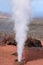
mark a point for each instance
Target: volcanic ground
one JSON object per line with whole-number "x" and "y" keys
{"x": 32, "y": 56}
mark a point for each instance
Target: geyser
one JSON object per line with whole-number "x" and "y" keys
{"x": 19, "y": 63}
{"x": 21, "y": 14}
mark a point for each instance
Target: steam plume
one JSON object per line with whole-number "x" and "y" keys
{"x": 21, "y": 15}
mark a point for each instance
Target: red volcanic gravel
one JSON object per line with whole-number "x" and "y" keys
{"x": 31, "y": 56}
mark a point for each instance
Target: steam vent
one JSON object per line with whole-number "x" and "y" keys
{"x": 18, "y": 63}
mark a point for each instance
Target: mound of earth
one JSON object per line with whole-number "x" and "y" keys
{"x": 9, "y": 39}
{"x": 30, "y": 42}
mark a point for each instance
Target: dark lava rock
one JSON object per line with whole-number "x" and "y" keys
{"x": 15, "y": 54}
{"x": 33, "y": 43}
{"x": 2, "y": 39}
{"x": 9, "y": 39}
{"x": 12, "y": 42}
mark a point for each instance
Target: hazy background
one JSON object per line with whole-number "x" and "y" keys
{"x": 37, "y": 7}
{"x": 36, "y": 27}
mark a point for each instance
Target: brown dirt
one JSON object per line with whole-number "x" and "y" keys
{"x": 33, "y": 56}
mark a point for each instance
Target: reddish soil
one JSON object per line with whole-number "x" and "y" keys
{"x": 33, "y": 56}
{"x": 42, "y": 43}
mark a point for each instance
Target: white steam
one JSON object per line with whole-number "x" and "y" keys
{"x": 21, "y": 15}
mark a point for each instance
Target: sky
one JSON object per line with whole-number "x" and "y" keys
{"x": 37, "y": 7}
